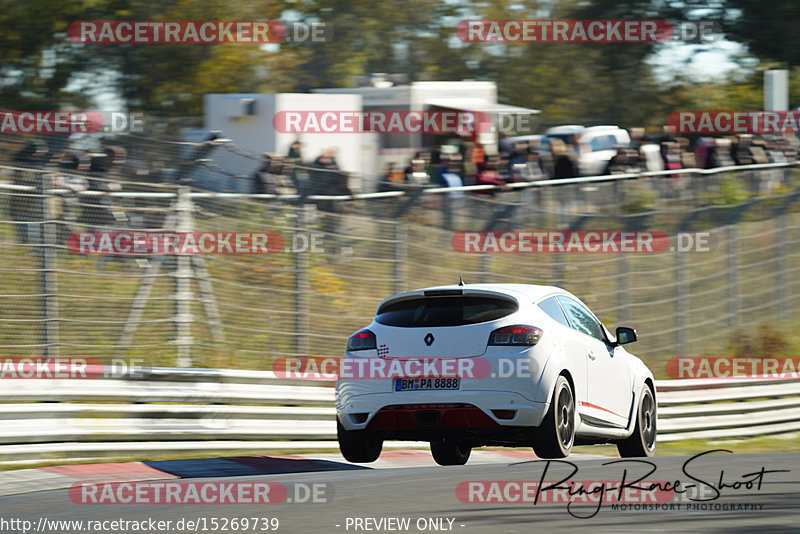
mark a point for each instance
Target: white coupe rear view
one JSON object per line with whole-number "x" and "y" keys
{"x": 476, "y": 365}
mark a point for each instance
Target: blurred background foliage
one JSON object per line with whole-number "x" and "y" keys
{"x": 40, "y": 68}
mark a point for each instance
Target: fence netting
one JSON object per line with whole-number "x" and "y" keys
{"x": 343, "y": 252}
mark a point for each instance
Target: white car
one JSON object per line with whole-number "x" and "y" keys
{"x": 475, "y": 365}
{"x": 597, "y": 145}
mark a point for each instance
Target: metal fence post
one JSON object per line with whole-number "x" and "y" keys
{"x": 680, "y": 302}
{"x": 622, "y": 288}
{"x": 733, "y": 277}
{"x": 183, "y": 285}
{"x": 486, "y": 268}
{"x": 46, "y": 238}
{"x": 301, "y": 286}
{"x": 400, "y": 256}
{"x": 781, "y": 285}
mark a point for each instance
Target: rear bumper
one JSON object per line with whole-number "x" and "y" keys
{"x": 433, "y": 411}
{"x": 429, "y": 416}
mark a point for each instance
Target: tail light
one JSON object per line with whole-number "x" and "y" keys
{"x": 362, "y": 340}
{"x": 519, "y": 334}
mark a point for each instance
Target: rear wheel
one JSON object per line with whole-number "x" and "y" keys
{"x": 447, "y": 451}
{"x": 358, "y": 446}
{"x": 642, "y": 442}
{"x": 557, "y": 432}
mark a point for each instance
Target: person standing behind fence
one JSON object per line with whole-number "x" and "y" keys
{"x": 296, "y": 152}
{"x": 270, "y": 178}
{"x": 565, "y": 164}
{"x": 101, "y": 213}
{"x": 415, "y": 173}
{"x": 27, "y": 207}
{"x": 489, "y": 175}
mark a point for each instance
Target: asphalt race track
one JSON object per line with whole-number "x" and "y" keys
{"x": 419, "y": 494}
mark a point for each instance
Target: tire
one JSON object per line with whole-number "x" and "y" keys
{"x": 556, "y": 434}
{"x": 642, "y": 443}
{"x": 358, "y": 446}
{"x": 450, "y": 452}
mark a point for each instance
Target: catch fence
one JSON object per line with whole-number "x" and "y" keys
{"x": 346, "y": 249}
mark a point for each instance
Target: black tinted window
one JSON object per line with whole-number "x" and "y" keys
{"x": 581, "y": 319}
{"x": 551, "y": 308}
{"x": 444, "y": 311}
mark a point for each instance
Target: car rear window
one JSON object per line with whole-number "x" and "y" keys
{"x": 444, "y": 311}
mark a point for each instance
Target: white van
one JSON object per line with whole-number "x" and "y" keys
{"x": 596, "y": 144}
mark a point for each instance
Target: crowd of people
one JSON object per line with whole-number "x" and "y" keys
{"x": 37, "y": 168}
{"x": 559, "y": 157}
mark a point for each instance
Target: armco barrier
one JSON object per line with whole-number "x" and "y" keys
{"x": 170, "y": 410}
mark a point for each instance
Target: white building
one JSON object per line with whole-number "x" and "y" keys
{"x": 247, "y": 120}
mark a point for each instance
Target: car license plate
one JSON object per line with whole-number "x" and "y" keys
{"x": 425, "y": 384}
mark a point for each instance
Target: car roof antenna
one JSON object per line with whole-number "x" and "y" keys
{"x": 460, "y": 281}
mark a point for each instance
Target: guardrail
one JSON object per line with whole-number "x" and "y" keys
{"x": 168, "y": 410}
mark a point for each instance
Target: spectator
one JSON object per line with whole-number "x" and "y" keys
{"x": 533, "y": 165}
{"x": 503, "y": 166}
{"x": 718, "y": 154}
{"x": 504, "y": 144}
{"x": 271, "y": 178}
{"x": 625, "y": 161}
{"x": 28, "y": 207}
{"x": 392, "y": 177}
{"x": 489, "y": 175}
{"x": 672, "y": 161}
{"x": 687, "y": 156}
{"x": 415, "y": 173}
{"x": 478, "y": 158}
{"x": 702, "y": 149}
{"x": 740, "y": 150}
{"x": 573, "y": 146}
{"x": 565, "y": 164}
{"x": 775, "y": 151}
{"x": 296, "y": 151}
{"x": 451, "y": 176}
{"x": 519, "y": 155}
{"x": 722, "y": 153}
{"x": 758, "y": 151}
{"x": 102, "y": 213}
{"x": 469, "y": 168}
{"x": 670, "y": 151}
{"x": 327, "y": 160}
{"x": 546, "y": 161}
{"x": 637, "y": 138}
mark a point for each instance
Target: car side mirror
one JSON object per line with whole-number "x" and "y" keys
{"x": 625, "y": 335}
